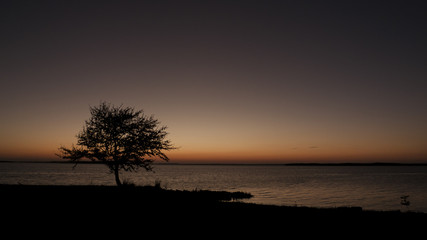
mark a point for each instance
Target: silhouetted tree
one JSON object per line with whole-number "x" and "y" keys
{"x": 121, "y": 138}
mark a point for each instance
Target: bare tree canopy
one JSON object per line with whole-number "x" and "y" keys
{"x": 121, "y": 138}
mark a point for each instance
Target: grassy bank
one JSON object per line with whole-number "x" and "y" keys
{"x": 111, "y": 202}
{"x": 103, "y": 194}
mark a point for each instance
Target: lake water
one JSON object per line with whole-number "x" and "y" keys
{"x": 370, "y": 187}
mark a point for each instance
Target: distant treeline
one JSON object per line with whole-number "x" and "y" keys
{"x": 357, "y": 164}
{"x": 246, "y": 164}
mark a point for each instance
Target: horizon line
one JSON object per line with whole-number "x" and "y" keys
{"x": 375, "y": 163}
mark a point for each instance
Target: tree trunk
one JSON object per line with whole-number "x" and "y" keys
{"x": 116, "y": 175}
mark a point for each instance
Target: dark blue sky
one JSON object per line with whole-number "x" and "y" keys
{"x": 233, "y": 80}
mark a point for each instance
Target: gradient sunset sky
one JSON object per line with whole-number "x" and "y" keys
{"x": 234, "y": 81}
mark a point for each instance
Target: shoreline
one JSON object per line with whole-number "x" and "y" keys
{"x": 96, "y": 198}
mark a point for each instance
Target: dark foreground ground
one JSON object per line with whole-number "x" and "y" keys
{"x": 141, "y": 208}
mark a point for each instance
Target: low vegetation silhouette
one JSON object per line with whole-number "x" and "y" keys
{"x": 121, "y": 138}
{"x": 404, "y": 201}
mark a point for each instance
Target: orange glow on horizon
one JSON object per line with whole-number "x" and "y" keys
{"x": 237, "y": 151}
{"x": 277, "y": 159}
{"x": 233, "y": 157}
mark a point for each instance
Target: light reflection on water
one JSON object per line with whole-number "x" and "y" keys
{"x": 371, "y": 187}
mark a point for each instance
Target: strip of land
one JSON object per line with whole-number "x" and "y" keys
{"x": 246, "y": 164}
{"x": 112, "y": 202}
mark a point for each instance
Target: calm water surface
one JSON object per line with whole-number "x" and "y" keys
{"x": 370, "y": 187}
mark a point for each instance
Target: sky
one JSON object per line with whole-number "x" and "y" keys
{"x": 234, "y": 81}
